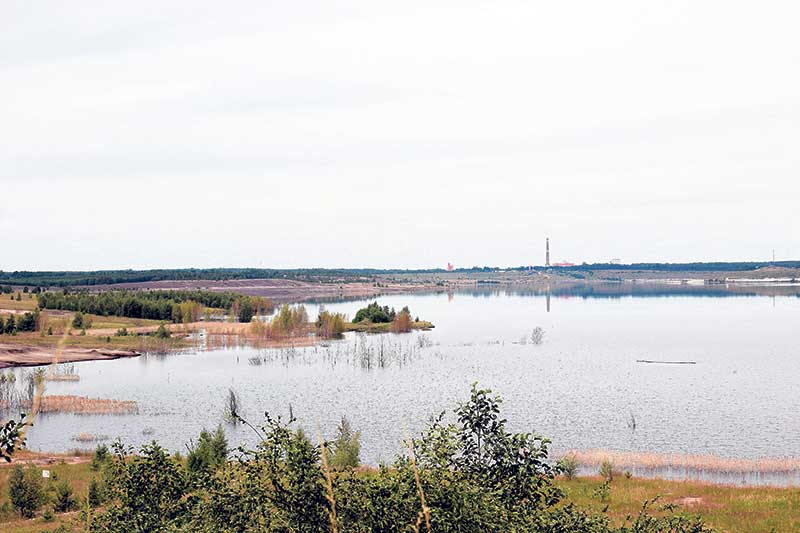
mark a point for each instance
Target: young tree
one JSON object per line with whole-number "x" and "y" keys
{"x": 25, "y": 490}
{"x": 402, "y": 322}
{"x": 346, "y": 447}
{"x": 11, "y": 325}
{"x": 246, "y": 310}
{"x": 210, "y": 451}
{"x": 162, "y": 332}
{"x": 96, "y": 496}
{"x": 77, "y": 321}
{"x": 146, "y": 492}
{"x": 64, "y": 499}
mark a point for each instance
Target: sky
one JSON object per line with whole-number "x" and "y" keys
{"x": 396, "y": 134}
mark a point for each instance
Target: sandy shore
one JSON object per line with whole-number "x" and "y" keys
{"x": 22, "y": 355}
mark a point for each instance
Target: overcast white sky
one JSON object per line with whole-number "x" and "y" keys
{"x": 402, "y": 134}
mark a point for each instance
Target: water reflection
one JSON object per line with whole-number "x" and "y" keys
{"x": 580, "y": 386}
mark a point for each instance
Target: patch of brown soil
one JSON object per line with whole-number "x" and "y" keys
{"x": 23, "y": 355}
{"x": 46, "y": 458}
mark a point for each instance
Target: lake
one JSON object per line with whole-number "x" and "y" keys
{"x": 582, "y": 386}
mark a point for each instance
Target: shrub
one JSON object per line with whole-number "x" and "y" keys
{"x": 77, "y": 321}
{"x": 95, "y": 494}
{"x": 402, "y": 322}
{"x": 146, "y": 491}
{"x": 606, "y": 470}
{"x": 346, "y": 447}
{"x": 330, "y": 325}
{"x": 374, "y": 313}
{"x": 210, "y": 451}
{"x": 568, "y": 465}
{"x": 473, "y": 474}
{"x": 25, "y": 490}
{"x": 122, "y": 332}
{"x": 64, "y": 499}
{"x": 101, "y": 457}
{"x": 162, "y": 332}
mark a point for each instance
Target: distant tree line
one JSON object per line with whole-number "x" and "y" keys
{"x": 174, "y": 306}
{"x": 109, "y": 277}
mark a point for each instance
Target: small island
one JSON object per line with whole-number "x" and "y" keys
{"x": 377, "y": 319}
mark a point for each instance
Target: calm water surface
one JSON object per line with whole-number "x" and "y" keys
{"x": 580, "y": 387}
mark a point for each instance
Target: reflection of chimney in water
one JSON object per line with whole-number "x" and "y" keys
{"x": 548, "y": 299}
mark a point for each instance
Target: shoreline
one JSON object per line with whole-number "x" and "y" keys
{"x": 25, "y": 355}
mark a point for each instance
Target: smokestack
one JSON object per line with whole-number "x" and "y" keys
{"x": 547, "y": 252}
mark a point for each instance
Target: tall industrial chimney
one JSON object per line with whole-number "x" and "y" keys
{"x": 547, "y": 252}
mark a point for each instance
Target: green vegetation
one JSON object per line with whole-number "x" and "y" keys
{"x": 28, "y": 321}
{"x": 108, "y": 277}
{"x": 210, "y": 452}
{"x": 25, "y": 490}
{"x": 174, "y": 306}
{"x": 331, "y": 325}
{"x": 346, "y": 447}
{"x": 64, "y": 498}
{"x": 396, "y": 322}
{"x": 11, "y": 434}
{"x": 374, "y": 313}
{"x": 470, "y": 475}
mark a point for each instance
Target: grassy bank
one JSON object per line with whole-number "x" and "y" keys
{"x": 727, "y": 508}
{"x": 369, "y": 327}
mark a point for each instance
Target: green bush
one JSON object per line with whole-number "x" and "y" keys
{"x": 100, "y": 457}
{"x": 346, "y": 447}
{"x": 25, "y": 490}
{"x": 374, "y": 313}
{"x": 474, "y": 476}
{"x": 607, "y": 470}
{"x": 568, "y": 465}
{"x": 162, "y": 332}
{"x": 95, "y": 494}
{"x": 210, "y": 451}
{"x": 77, "y": 321}
{"x": 64, "y": 499}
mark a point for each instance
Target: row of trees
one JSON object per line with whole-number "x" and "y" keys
{"x": 26, "y": 322}
{"x": 174, "y": 306}
{"x": 288, "y": 322}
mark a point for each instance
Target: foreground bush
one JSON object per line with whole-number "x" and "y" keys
{"x": 25, "y": 490}
{"x": 470, "y": 475}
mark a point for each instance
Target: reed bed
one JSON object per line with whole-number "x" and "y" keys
{"x": 89, "y": 437}
{"x": 763, "y": 470}
{"x": 62, "y": 372}
{"x": 86, "y": 406}
{"x": 365, "y": 351}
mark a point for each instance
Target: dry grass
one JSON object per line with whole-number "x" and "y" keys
{"x": 85, "y": 406}
{"x": 8, "y": 302}
{"x": 691, "y": 463}
{"x": 726, "y": 508}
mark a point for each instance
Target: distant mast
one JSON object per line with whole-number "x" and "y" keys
{"x": 547, "y": 252}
